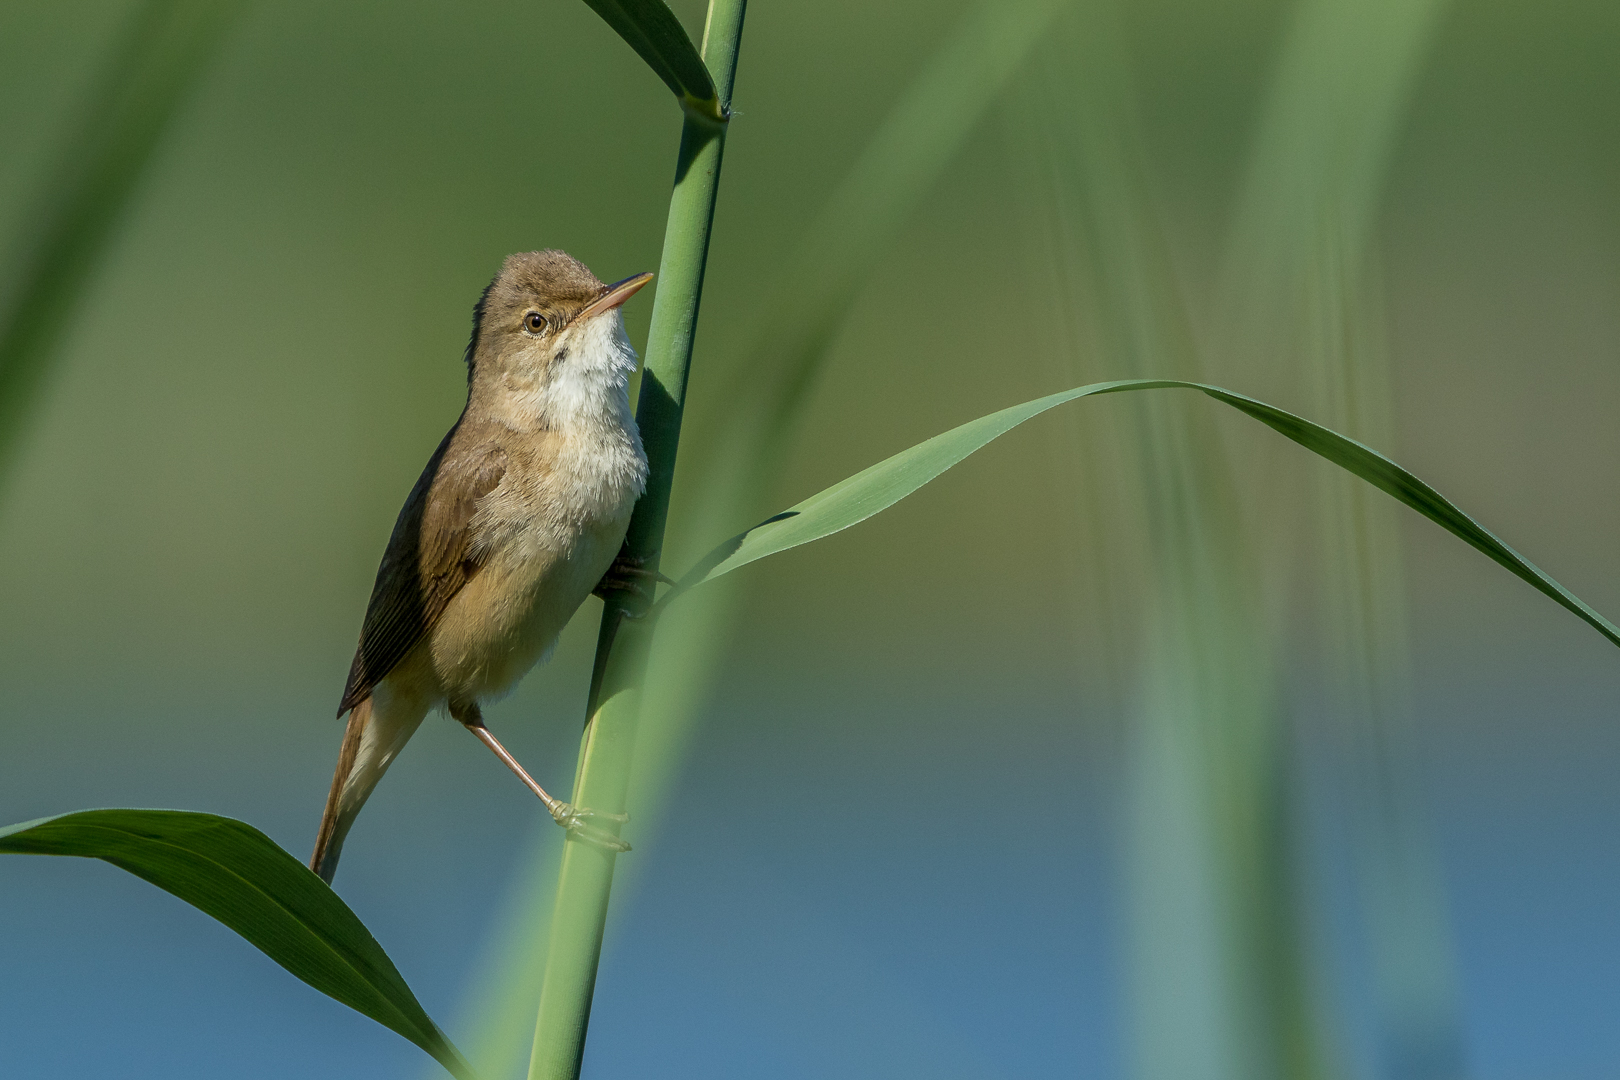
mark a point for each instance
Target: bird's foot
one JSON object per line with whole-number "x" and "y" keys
{"x": 575, "y": 819}
{"x": 629, "y": 574}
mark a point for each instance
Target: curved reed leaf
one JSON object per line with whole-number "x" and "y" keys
{"x": 879, "y": 487}
{"x": 235, "y": 873}
{"x": 650, "y": 28}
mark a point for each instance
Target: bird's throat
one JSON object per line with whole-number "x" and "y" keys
{"x": 581, "y": 389}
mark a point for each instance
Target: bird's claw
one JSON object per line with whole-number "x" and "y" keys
{"x": 629, "y": 574}
{"x": 575, "y": 820}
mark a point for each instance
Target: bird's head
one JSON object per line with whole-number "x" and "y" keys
{"x": 548, "y": 339}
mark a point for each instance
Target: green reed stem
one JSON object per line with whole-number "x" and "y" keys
{"x": 602, "y": 779}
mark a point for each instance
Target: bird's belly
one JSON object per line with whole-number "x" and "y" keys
{"x": 508, "y": 616}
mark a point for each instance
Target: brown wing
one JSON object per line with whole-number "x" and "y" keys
{"x": 427, "y": 562}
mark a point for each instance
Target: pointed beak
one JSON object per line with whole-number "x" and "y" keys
{"x": 616, "y": 294}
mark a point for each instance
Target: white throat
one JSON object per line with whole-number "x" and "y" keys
{"x": 595, "y": 467}
{"x": 590, "y": 385}
{"x": 581, "y": 386}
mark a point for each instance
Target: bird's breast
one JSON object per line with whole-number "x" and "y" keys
{"x": 543, "y": 539}
{"x": 547, "y": 505}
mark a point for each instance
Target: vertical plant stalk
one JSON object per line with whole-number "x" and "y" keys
{"x": 601, "y": 780}
{"x": 920, "y": 137}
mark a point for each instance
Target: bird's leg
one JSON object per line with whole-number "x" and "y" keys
{"x": 570, "y": 817}
{"x": 629, "y": 574}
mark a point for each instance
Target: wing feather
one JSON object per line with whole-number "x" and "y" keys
{"x": 429, "y": 558}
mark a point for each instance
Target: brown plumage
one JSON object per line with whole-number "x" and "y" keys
{"x": 427, "y": 562}
{"x": 511, "y": 525}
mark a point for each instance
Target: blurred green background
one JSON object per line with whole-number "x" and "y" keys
{"x": 918, "y": 828}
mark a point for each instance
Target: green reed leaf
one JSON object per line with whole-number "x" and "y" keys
{"x": 879, "y": 487}
{"x": 238, "y": 875}
{"x": 650, "y": 28}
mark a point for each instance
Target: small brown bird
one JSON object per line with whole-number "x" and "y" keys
{"x": 517, "y": 519}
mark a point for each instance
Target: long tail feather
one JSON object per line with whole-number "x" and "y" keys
{"x": 329, "y": 838}
{"x": 375, "y": 734}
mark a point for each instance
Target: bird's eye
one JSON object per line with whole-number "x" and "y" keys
{"x": 534, "y": 322}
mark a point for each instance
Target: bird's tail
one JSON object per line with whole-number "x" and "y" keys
{"x": 375, "y": 734}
